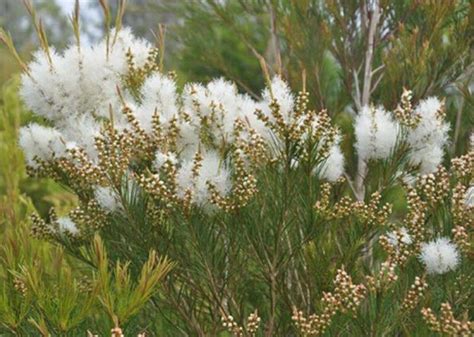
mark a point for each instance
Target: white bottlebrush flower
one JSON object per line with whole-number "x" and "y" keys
{"x": 189, "y": 139}
{"x": 66, "y": 225}
{"x": 220, "y": 105}
{"x": 248, "y": 108}
{"x": 439, "y": 256}
{"x": 82, "y": 131}
{"x": 429, "y": 138}
{"x": 158, "y": 94}
{"x": 225, "y": 105}
{"x": 332, "y": 167}
{"x": 429, "y": 158}
{"x": 102, "y": 74}
{"x": 39, "y": 88}
{"x": 42, "y": 142}
{"x": 393, "y": 237}
{"x": 212, "y": 170}
{"x": 161, "y": 158}
{"x": 107, "y": 198}
{"x": 81, "y": 82}
{"x": 376, "y": 133}
{"x": 281, "y": 92}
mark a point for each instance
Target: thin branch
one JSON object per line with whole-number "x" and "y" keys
{"x": 275, "y": 41}
{"x": 457, "y": 128}
{"x": 357, "y": 98}
{"x": 380, "y": 67}
{"x": 376, "y": 83}
{"x": 369, "y": 54}
{"x": 350, "y": 183}
{"x": 366, "y": 92}
{"x": 221, "y": 13}
{"x": 364, "y": 14}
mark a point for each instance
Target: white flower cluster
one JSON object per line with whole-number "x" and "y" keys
{"x": 66, "y": 225}
{"x": 333, "y": 167}
{"x": 377, "y": 134}
{"x": 107, "y": 198}
{"x": 212, "y": 170}
{"x": 80, "y": 82}
{"x": 439, "y": 256}
{"x": 83, "y": 86}
{"x": 394, "y": 237}
{"x": 428, "y": 140}
{"x": 42, "y": 142}
{"x": 77, "y": 89}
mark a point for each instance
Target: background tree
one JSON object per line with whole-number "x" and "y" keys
{"x": 15, "y": 19}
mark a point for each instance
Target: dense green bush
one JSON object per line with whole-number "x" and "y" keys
{"x": 341, "y": 208}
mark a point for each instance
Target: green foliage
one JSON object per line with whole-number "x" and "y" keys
{"x": 8, "y": 65}
{"x": 211, "y": 50}
{"x": 16, "y": 189}
{"x": 43, "y": 291}
{"x": 279, "y": 251}
{"x": 120, "y": 296}
{"x": 59, "y": 303}
{"x": 12, "y": 204}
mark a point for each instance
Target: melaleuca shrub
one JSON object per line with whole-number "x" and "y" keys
{"x": 251, "y": 198}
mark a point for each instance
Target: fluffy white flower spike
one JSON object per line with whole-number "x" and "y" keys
{"x": 161, "y": 158}
{"x": 219, "y": 104}
{"x": 405, "y": 237}
{"x": 439, "y": 256}
{"x": 66, "y": 225}
{"x": 107, "y": 199}
{"x": 159, "y": 94}
{"x": 376, "y": 133}
{"x": 42, "y": 142}
{"x": 281, "y": 92}
{"x": 212, "y": 170}
{"x": 81, "y": 82}
{"x": 333, "y": 167}
{"x": 429, "y": 138}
